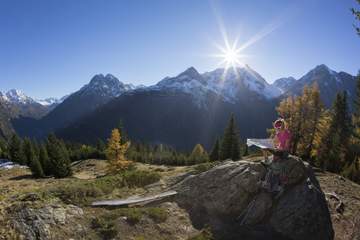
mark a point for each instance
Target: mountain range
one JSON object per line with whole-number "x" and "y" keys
{"x": 180, "y": 111}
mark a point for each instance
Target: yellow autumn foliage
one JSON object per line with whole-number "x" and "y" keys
{"x": 115, "y": 152}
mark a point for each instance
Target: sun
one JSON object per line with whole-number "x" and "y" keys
{"x": 230, "y": 55}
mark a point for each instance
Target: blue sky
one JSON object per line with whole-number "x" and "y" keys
{"x": 52, "y": 48}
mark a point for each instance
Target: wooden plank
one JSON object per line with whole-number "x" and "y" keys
{"x": 133, "y": 200}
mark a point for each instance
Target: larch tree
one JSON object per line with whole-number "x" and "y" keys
{"x": 198, "y": 155}
{"x": 115, "y": 152}
{"x": 303, "y": 114}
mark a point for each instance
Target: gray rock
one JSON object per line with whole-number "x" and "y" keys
{"x": 37, "y": 223}
{"x": 219, "y": 196}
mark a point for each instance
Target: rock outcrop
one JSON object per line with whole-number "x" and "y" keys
{"x": 218, "y": 197}
{"x": 33, "y": 223}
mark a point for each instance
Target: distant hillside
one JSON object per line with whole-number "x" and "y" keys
{"x": 329, "y": 82}
{"x": 99, "y": 91}
{"x": 173, "y": 118}
{"x": 183, "y": 110}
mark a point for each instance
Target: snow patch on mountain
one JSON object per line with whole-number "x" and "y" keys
{"x": 18, "y": 97}
{"x": 284, "y": 83}
{"x": 107, "y": 86}
{"x": 229, "y": 84}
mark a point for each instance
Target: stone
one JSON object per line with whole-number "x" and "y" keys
{"x": 220, "y": 197}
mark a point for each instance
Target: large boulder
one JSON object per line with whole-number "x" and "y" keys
{"x": 230, "y": 200}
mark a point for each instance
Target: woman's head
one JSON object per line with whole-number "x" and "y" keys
{"x": 279, "y": 124}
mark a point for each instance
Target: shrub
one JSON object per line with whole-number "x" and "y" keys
{"x": 140, "y": 178}
{"x": 106, "y": 229}
{"x": 133, "y": 215}
{"x": 159, "y": 215}
{"x": 83, "y": 191}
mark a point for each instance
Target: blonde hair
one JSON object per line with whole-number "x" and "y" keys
{"x": 283, "y": 123}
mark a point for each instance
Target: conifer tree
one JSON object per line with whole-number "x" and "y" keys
{"x": 4, "y": 153}
{"x": 246, "y": 150}
{"x": 28, "y": 150}
{"x": 33, "y": 159}
{"x": 16, "y": 152}
{"x": 115, "y": 152}
{"x": 214, "y": 155}
{"x": 334, "y": 148}
{"x": 229, "y": 147}
{"x": 44, "y": 160}
{"x": 59, "y": 159}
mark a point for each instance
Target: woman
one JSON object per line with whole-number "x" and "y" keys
{"x": 276, "y": 178}
{"x": 282, "y": 136}
{"x": 281, "y": 141}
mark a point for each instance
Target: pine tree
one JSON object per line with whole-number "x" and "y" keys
{"x": 214, "y": 155}
{"x": 235, "y": 152}
{"x": 229, "y": 147}
{"x": 334, "y": 148}
{"x": 28, "y": 149}
{"x": 4, "y": 151}
{"x": 115, "y": 152}
{"x": 44, "y": 160}
{"x": 354, "y": 142}
{"x": 246, "y": 150}
{"x": 59, "y": 160}
{"x": 33, "y": 159}
{"x": 16, "y": 152}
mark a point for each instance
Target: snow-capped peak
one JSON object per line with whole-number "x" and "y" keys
{"x": 230, "y": 83}
{"x": 107, "y": 85}
{"x": 17, "y": 96}
{"x": 48, "y": 101}
{"x": 284, "y": 83}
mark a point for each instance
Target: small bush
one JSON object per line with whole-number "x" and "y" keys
{"x": 83, "y": 191}
{"x": 140, "y": 178}
{"x": 77, "y": 193}
{"x": 106, "y": 229}
{"x": 159, "y": 215}
{"x": 133, "y": 215}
